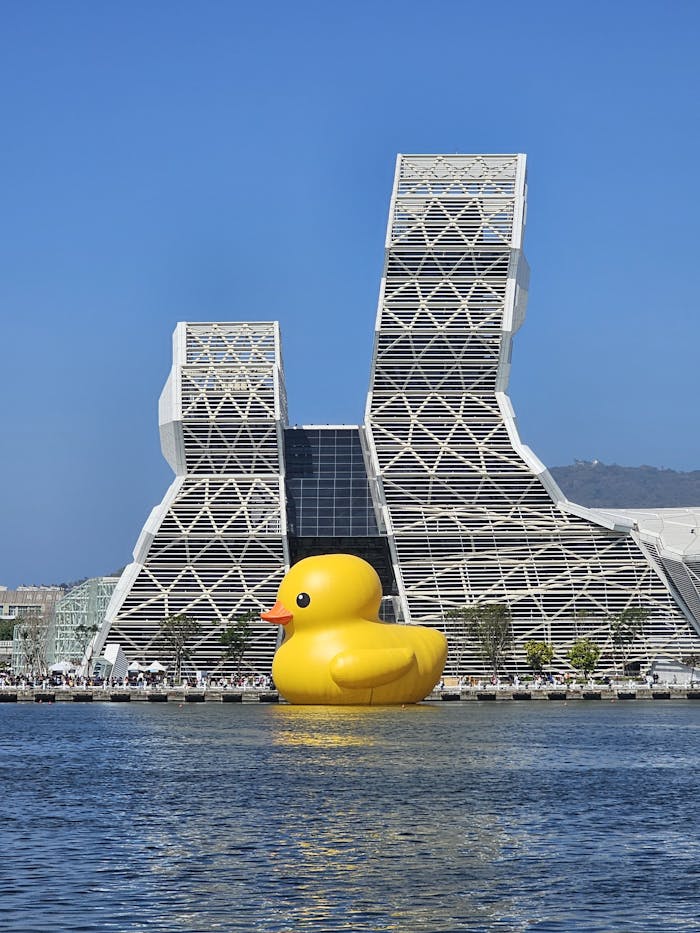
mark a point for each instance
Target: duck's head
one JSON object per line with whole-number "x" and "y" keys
{"x": 324, "y": 589}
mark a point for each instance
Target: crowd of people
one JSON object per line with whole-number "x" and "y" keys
{"x": 545, "y": 681}
{"x": 140, "y": 681}
{"x": 148, "y": 681}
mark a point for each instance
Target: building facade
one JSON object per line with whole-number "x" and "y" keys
{"x": 77, "y": 618}
{"x": 27, "y": 613}
{"x": 472, "y": 515}
{"x": 436, "y": 489}
{"x": 216, "y": 547}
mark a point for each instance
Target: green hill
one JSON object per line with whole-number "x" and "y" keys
{"x": 604, "y": 485}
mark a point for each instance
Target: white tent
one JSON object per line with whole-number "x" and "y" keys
{"x": 62, "y": 667}
{"x": 135, "y": 666}
{"x": 156, "y": 668}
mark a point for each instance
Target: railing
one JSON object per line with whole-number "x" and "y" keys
{"x": 502, "y": 692}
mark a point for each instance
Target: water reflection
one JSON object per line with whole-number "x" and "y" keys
{"x": 331, "y": 726}
{"x": 277, "y": 819}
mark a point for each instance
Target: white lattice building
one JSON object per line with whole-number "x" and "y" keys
{"x": 464, "y": 511}
{"x": 215, "y": 546}
{"x": 472, "y": 515}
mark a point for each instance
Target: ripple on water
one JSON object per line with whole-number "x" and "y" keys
{"x": 434, "y": 818}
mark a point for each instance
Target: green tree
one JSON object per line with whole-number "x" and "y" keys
{"x": 583, "y": 655}
{"x": 490, "y": 626}
{"x": 237, "y": 637}
{"x": 625, "y": 629}
{"x": 176, "y": 636}
{"x": 7, "y": 627}
{"x": 538, "y": 654}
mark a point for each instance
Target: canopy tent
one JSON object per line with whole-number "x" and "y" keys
{"x": 156, "y": 668}
{"x": 63, "y": 667}
{"x": 135, "y": 666}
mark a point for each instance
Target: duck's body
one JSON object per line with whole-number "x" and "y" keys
{"x": 336, "y": 651}
{"x": 360, "y": 663}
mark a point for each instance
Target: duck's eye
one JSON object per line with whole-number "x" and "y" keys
{"x": 303, "y": 600}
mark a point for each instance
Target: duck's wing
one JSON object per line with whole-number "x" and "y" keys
{"x": 370, "y": 667}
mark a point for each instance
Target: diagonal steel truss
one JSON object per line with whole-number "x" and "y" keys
{"x": 77, "y": 614}
{"x": 216, "y": 546}
{"x": 472, "y": 515}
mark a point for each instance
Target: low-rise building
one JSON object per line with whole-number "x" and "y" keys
{"x": 31, "y": 609}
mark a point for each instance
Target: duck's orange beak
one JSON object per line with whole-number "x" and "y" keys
{"x": 278, "y": 615}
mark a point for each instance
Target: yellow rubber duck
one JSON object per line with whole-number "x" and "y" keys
{"x": 335, "y": 649}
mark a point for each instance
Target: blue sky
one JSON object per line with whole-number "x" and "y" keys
{"x": 169, "y": 161}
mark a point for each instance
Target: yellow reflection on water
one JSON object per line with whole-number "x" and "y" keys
{"x": 332, "y": 726}
{"x": 322, "y": 741}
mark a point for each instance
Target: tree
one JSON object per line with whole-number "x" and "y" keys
{"x": 691, "y": 661}
{"x": 237, "y": 637}
{"x": 456, "y": 623}
{"x": 583, "y": 655}
{"x": 32, "y": 631}
{"x": 83, "y": 638}
{"x": 82, "y": 630}
{"x": 538, "y": 654}
{"x": 176, "y": 635}
{"x": 625, "y": 628}
{"x": 490, "y": 626}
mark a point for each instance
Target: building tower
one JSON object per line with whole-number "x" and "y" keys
{"x": 215, "y": 548}
{"x": 435, "y": 489}
{"x": 472, "y": 515}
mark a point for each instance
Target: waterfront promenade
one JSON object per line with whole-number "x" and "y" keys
{"x": 474, "y": 694}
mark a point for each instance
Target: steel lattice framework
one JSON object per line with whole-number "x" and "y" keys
{"x": 216, "y": 545}
{"x": 472, "y": 515}
{"x": 78, "y": 615}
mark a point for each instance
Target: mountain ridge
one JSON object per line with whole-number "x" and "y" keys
{"x": 608, "y": 485}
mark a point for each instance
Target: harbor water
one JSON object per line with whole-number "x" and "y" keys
{"x": 440, "y": 817}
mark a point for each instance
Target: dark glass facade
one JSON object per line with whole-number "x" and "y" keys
{"x": 328, "y": 491}
{"x": 329, "y": 500}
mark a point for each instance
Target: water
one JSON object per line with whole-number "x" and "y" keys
{"x": 444, "y": 817}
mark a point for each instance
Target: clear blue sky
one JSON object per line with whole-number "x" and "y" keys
{"x": 167, "y": 161}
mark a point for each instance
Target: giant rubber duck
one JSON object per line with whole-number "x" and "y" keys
{"x": 335, "y": 649}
